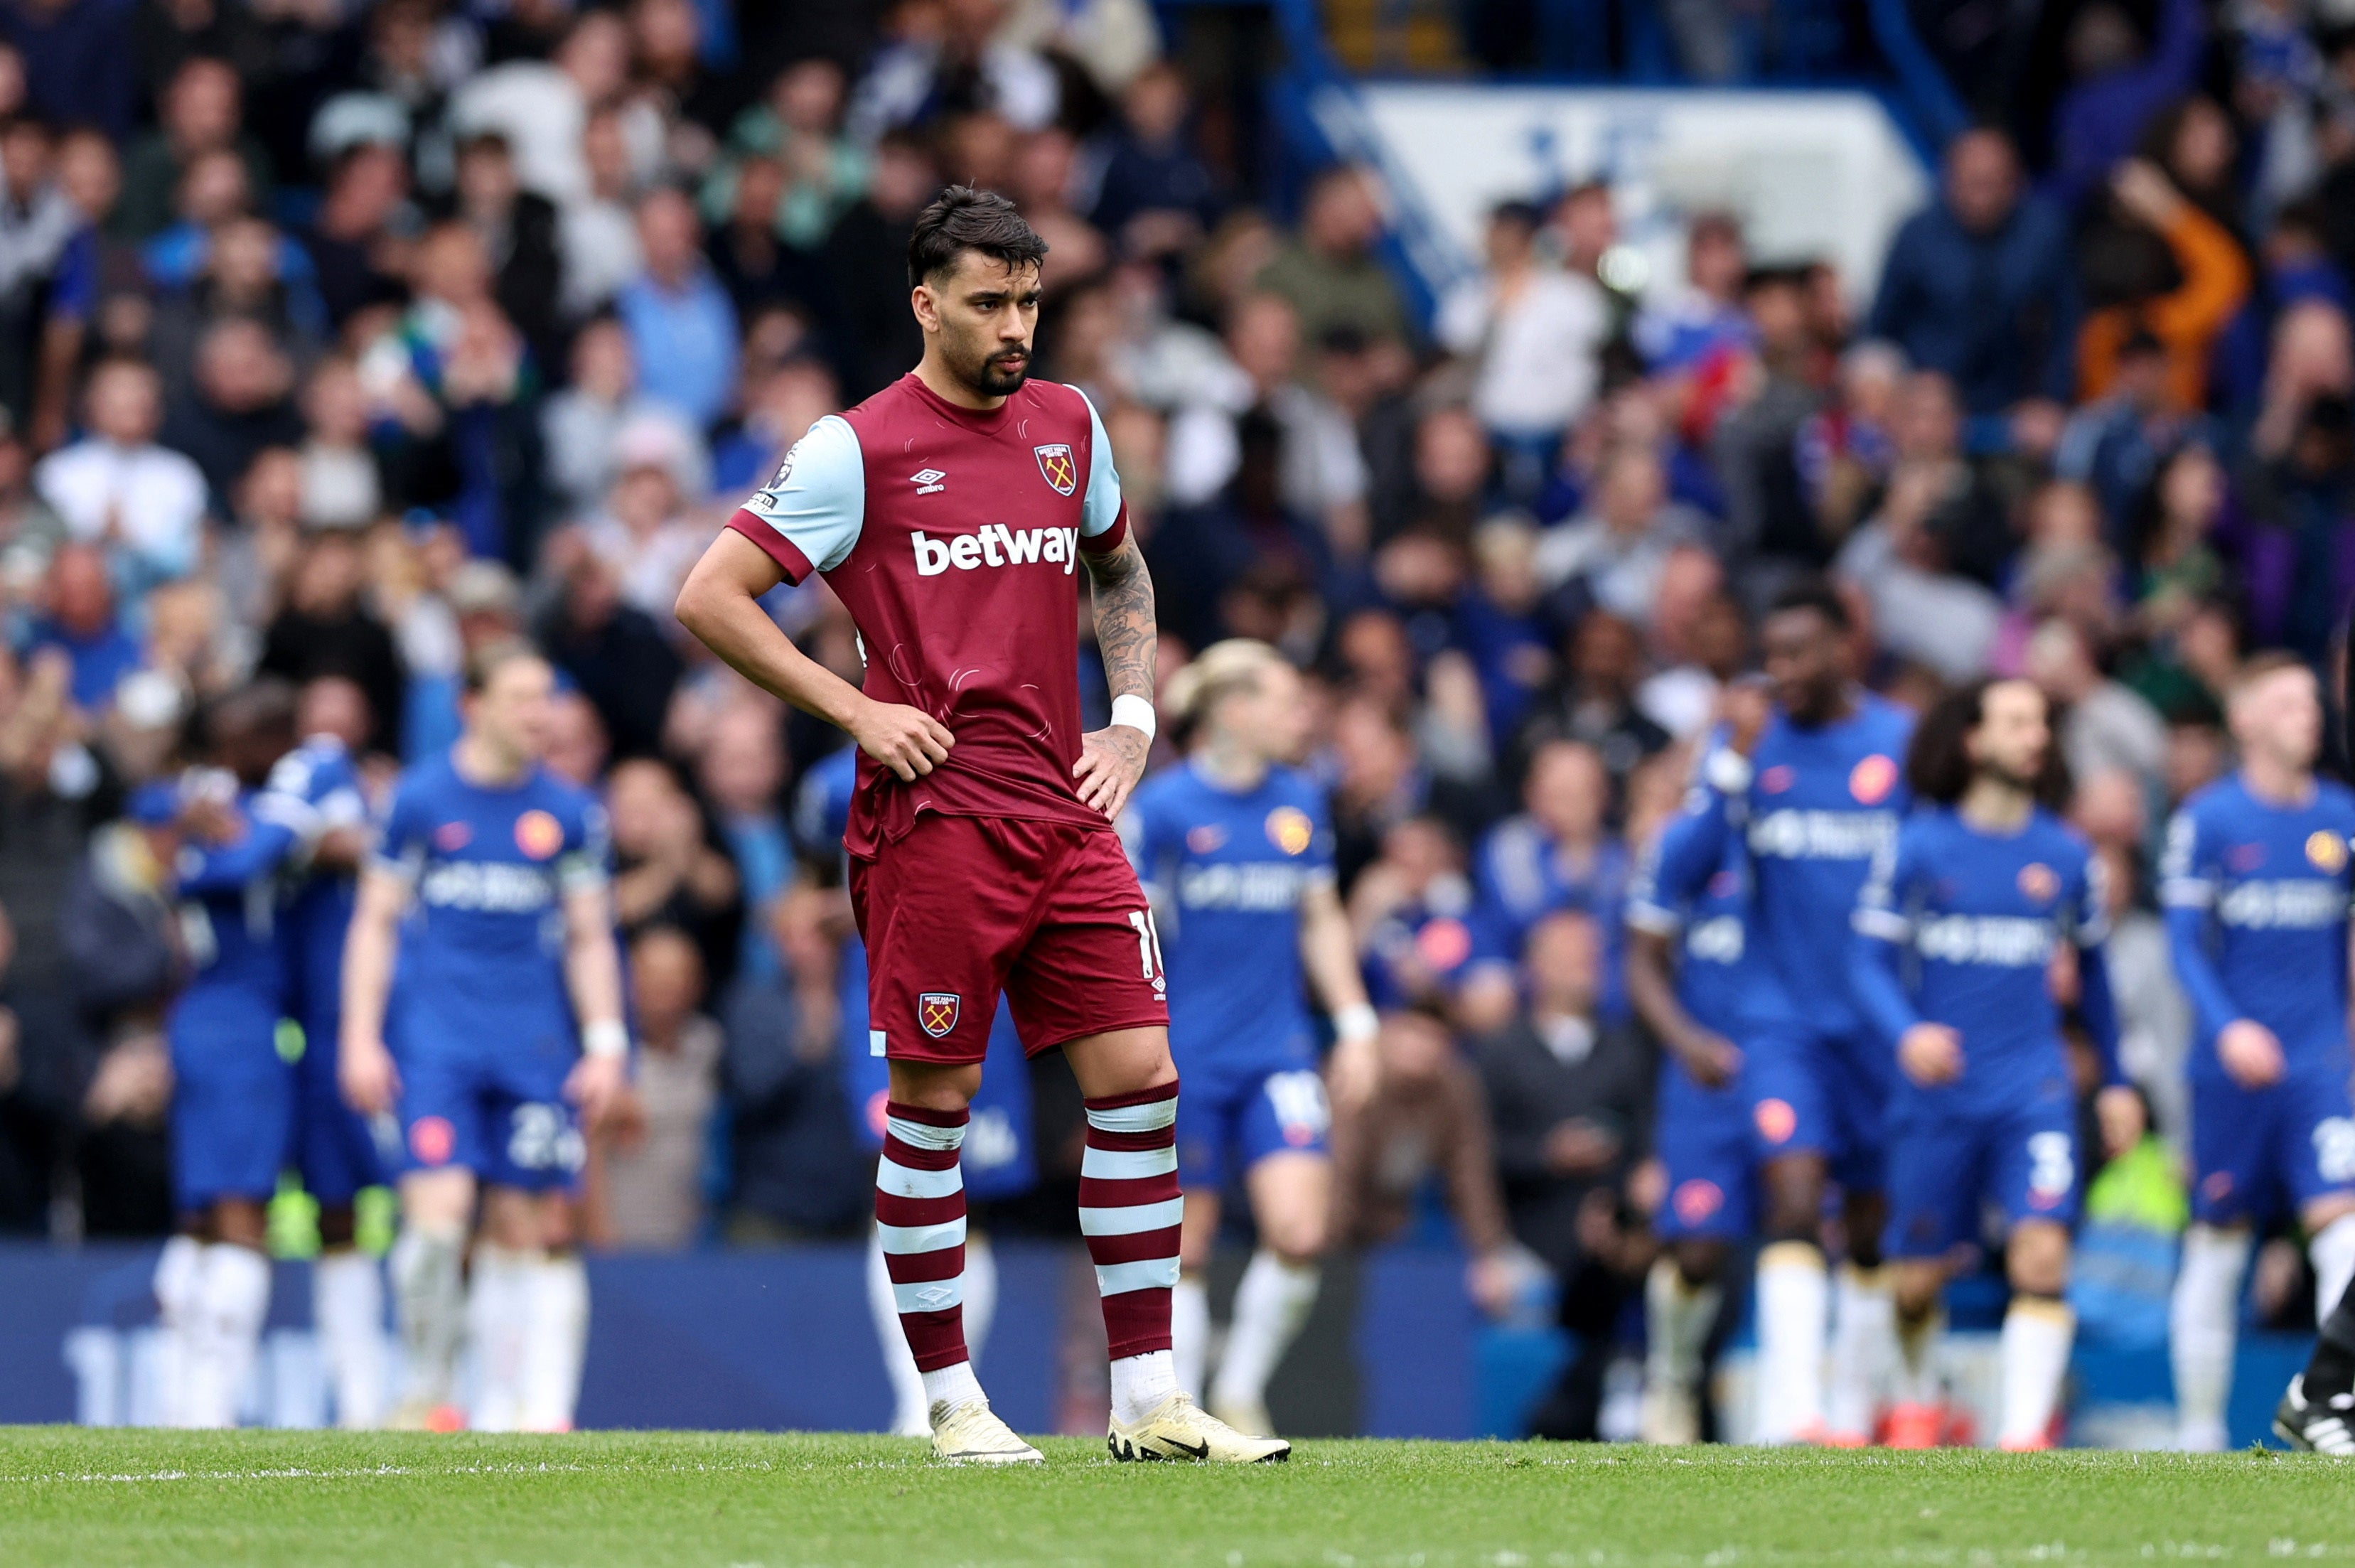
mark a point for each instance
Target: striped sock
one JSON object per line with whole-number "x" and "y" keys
{"x": 919, "y": 1220}
{"x": 1129, "y": 1210}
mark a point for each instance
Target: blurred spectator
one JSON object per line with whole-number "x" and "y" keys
{"x": 541, "y": 106}
{"x": 1153, "y": 194}
{"x": 1594, "y": 699}
{"x": 80, "y": 622}
{"x": 1613, "y": 555}
{"x": 679, "y": 320}
{"x": 2104, "y": 727}
{"x": 2186, "y": 314}
{"x": 798, "y": 128}
{"x": 2118, "y": 86}
{"x": 244, "y": 401}
{"x": 327, "y": 628}
{"x": 1569, "y": 1095}
{"x": 952, "y": 59}
{"x": 1697, "y": 324}
{"x": 1557, "y": 854}
{"x": 741, "y": 774}
{"x": 867, "y": 263}
{"x": 352, "y": 239}
{"x": 1534, "y": 332}
{"x": 651, "y": 1179}
{"x": 519, "y": 232}
{"x": 666, "y": 870}
{"x": 1980, "y": 286}
{"x": 615, "y": 652}
{"x": 584, "y": 422}
{"x": 201, "y": 111}
{"x": 116, "y": 487}
{"x": 1328, "y": 273}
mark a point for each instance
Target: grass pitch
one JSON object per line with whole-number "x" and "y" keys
{"x": 75, "y": 1496}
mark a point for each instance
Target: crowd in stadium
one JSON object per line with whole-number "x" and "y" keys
{"x": 339, "y": 342}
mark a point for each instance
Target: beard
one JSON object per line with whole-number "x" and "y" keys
{"x": 994, "y": 376}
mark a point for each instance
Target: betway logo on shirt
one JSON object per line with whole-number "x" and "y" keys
{"x": 496, "y": 887}
{"x": 997, "y": 545}
{"x": 1795, "y": 835}
{"x": 1256, "y": 885}
{"x": 2007, "y": 940}
{"x": 2300, "y": 903}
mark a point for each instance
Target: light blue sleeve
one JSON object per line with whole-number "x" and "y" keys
{"x": 1100, "y": 509}
{"x": 817, "y": 500}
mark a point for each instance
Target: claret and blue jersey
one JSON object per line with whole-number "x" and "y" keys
{"x": 2257, "y": 893}
{"x": 1227, "y": 872}
{"x": 1959, "y": 925}
{"x": 481, "y": 1020}
{"x": 1000, "y": 1159}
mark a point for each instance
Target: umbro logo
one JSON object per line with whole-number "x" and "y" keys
{"x": 927, "y": 480}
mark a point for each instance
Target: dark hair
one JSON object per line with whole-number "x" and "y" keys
{"x": 962, "y": 219}
{"x": 1938, "y": 764}
{"x": 1814, "y": 593}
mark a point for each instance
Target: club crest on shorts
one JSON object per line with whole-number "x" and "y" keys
{"x": 1056, "y": 465}
{"x": 937, "y": 1012}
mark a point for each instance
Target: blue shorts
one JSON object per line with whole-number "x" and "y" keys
{"x": 1231, "y": 1124}
{"x": 2259, "y": 1153}
{"x": 329, "y": 1143}
{"x": 231, "y": 1099}
{"x": 488, "y": 1100}
{"x": 1948, "y": 1159}
{"x": 1705, "y": 1144}
{"x": 1824, "y": 1095}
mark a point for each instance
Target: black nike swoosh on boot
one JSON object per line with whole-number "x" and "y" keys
{"x": 1199, "y": 1452}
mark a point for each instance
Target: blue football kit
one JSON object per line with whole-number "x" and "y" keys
{"x": 1817, "y": 805}
{"x": 481, "y": 1021}
{"x": 328, "y": 1143}
{"x": 1694, "y": 886}
{"x": 2256, "y": 896}
{"x": 1000, "y": 1157}
{"x": 232, "y": 1095}
{"x": 1958, "y": 926}
{"x": 1226, "y": 873}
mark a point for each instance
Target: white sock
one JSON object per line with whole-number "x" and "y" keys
{"x": 234, "y": 1299}
{"x": 951, "y": 1386}
{"x": 1190, "y": 1332}
{"x": 910, "y": 1401}
{"x": 1792, "y": 1291}
{"x": 498, "y": 1326}
{"x": 2332, "y": 1253}
{"x": 1270, "y": 1303}
{"x": 2036, "y": 1333}
{"x": 1678, "y": 1316}
{"x": 1864, "y": 1349}
{"x": 556, "y": 1342}
{"x": 1917, "y": 1376}
{"x": 179, "y": 1296}
{"x": 2202, "y": 1323}
{"x": 348, "y": 1315}
{"x": 1139, "y": 1384}
{"x": 429, "y": 1293}
{"x": 980, "y": 1292}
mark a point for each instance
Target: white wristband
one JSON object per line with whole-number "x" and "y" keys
{"x": 1727, "y": 771}
{"x": 609, "y": 1038}
{"x": 1352, "y": 1024}
{"x": 1136, "y": 712}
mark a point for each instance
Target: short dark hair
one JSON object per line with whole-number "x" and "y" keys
{"x": 962, "y": 219}
{"x": 1938, "y": 764}
{"x": 1815, "y": 595}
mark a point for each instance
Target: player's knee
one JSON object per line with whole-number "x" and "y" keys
{"x": 1794, "y": 1200}
{"x": 2327, "y": 1210}
{"x": 337, "y": 1227}
{"x": 1296, "y": 1238}
{"x": 933, "y": 1086}
{"x": 2037, "y": 1261}
{"x": 1700, "y": 1262}
{"x": 241, "y": 1221}
{"x": 1915, "y": 1290}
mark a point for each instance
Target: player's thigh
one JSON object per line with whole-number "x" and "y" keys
{"x": 943, "y": 909}
{"x": 2234, "y": 1134}
{"x": 1937, "y": 1179}
{"x": 1092, "y": 965}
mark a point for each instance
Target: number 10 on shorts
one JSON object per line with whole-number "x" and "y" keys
{"x": 1148, "y": 949}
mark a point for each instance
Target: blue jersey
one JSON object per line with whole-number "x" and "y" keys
{"x": 2256, "y": 898}
{"x": 1693, "y": 884}
{"x": 1522, "y": 877}
{"x": 1958, "y": 926}
{"x": 998, "y": 1160}
{"x": 229, "y": 915}
{"x": 318, "y": 908}
{"x": 1226, "y": 873}
{"x": 1821, "y": 802}
{"x": 483, "y": 948}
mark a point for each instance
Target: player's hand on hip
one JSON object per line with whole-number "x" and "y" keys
{"x": 365, "y": 1073}
{"x": 1930, "y": 1054}
{"x": 2119, "y": 1111}
{"x": 1110, "y": 762}
{"x": 598, "y": 1086}
{"x": 2250, "y": 1053}
{"x": 907, "y": 740}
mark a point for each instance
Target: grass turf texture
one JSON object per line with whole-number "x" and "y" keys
{"x": 75, "y": 1496}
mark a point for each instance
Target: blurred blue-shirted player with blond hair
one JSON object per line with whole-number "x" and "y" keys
{"x": 1234, "y": 849}
{"x": 501, "y": 1020}
{"x": 2256, "y": 883}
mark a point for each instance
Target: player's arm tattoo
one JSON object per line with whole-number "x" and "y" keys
{"x": 1125, "y": 626}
